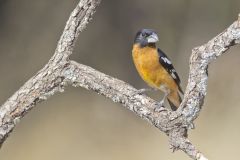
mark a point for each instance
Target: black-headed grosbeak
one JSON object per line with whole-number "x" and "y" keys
{"x": 155, "y": 68}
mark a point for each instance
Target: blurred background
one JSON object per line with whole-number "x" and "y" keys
{"x": 80, "y": 124}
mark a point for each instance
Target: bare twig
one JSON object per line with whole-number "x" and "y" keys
{"x": 60, "y": 72}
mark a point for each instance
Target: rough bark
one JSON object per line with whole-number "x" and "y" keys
{"x": 48, "y": 80}
{"x": 60, "y": 72}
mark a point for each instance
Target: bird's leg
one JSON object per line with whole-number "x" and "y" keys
{"x": 163, "y": 100}
{"x": 160, "y": 105}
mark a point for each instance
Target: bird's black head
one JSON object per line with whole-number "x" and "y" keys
{"x": 146, "y": 37}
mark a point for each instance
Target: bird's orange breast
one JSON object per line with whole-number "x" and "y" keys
{"x": 146, "y": 60}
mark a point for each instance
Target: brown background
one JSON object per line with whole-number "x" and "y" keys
{"x": 81, "y": 125}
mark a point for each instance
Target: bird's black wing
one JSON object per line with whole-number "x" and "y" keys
{"x": 167, "y": 64}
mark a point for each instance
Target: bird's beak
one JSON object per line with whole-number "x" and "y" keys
{"x": 152, "y": 38}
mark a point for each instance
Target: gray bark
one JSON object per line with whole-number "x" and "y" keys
{"x": 60, "y": 72}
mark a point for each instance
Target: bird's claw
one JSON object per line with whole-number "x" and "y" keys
{"x": 143, "y": 90}
{"x": 159, "y": 107}
{"x": 161, "y": 103}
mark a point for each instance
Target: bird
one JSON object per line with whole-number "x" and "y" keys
{"x": 155, "y": 68}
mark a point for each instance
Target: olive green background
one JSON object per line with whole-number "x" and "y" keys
{"x": 81, "y": 125}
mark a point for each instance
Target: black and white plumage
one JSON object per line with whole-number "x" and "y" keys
{"x": 167, "y": 64}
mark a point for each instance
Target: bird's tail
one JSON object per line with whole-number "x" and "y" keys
{"x": 174, "y": 100}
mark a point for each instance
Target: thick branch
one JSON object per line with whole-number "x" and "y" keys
{"x": 60, "y": 72}
{"x": 201, "y": 57}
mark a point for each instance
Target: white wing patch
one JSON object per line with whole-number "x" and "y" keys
{"x": 167, "y": 65}
{"x": 173, "y": 73}
{"x": 166, "y": 60}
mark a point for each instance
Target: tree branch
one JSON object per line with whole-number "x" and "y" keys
{"x": 60, "y": 72}
{"x": 201, "y": 57}
{"x": 48, "y": 80}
